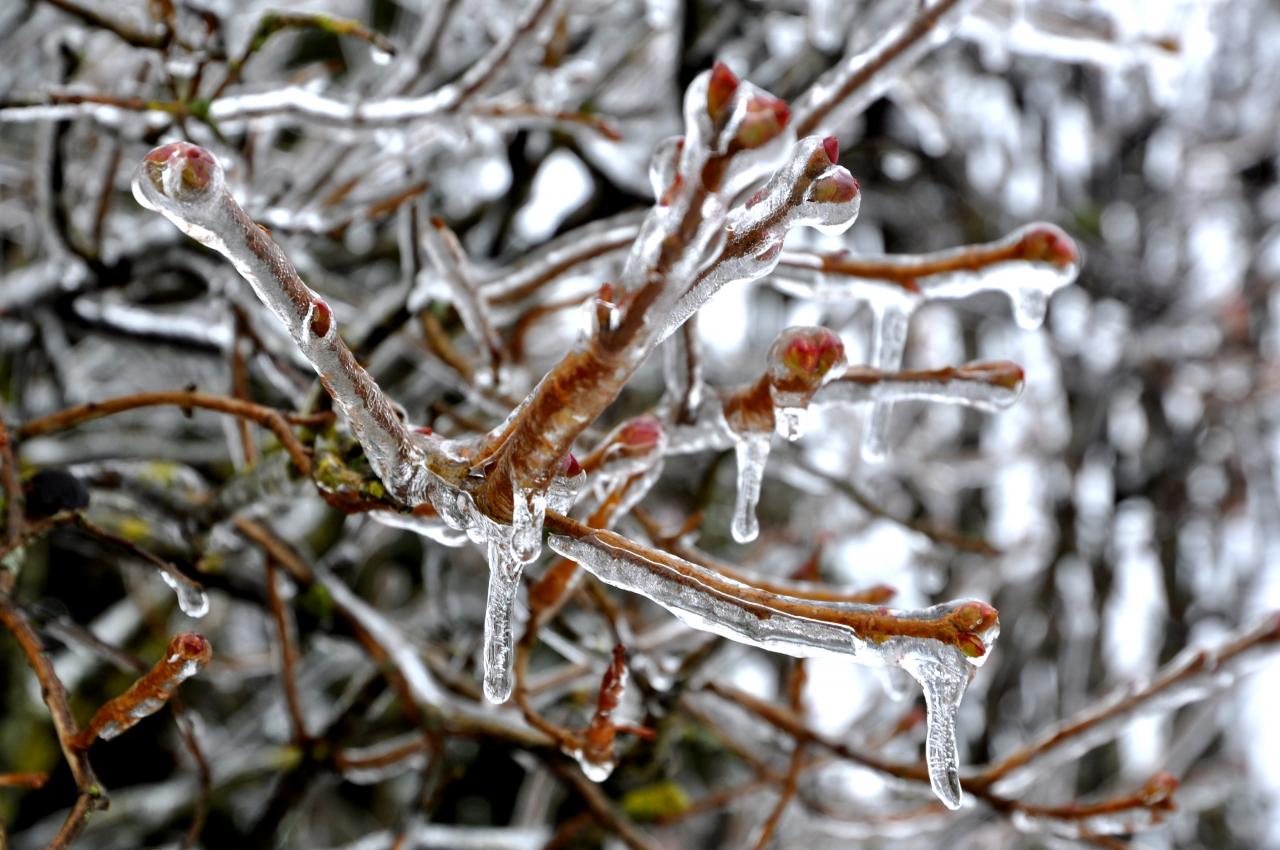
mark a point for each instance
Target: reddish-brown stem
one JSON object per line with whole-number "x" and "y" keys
{"x": 186, "y": 654}
{"x": 280, "y": 615}
{"x": 11, "y": 480}
{"x": 869, "y": 624}
{"x": 91, "y": 795}
{"x": 811, "y": 121}
{"x": 1204, "y": 662}
{"x": 278, "y": 423}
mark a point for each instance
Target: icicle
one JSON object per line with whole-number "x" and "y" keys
{"x": 504, "y": 581}
{"x": 596, "y": 771}
{"x": 192, "y": 599}
{"x": 888, "y": 343}
{"x": 943, "y": 683}
{"x": 752, "y": 451}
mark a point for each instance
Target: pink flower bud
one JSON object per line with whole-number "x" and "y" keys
{"x": 831, "y": 146}
{"x": 569, "y": 467}
{"x": 189, "y": 646}
{"x": 199, "y": 168}
{"x": 838, "y": 187}
{"x": 766, "y": 117}
{"x": 806, "y": 353}
{"x": 720, "y": 89}
{"x": 1047, "y": 243}
{"x": 641, "y": 434}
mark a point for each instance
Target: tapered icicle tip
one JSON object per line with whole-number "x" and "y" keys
{"x": 180, "y": 172}
{"x": 1049, "y": 244}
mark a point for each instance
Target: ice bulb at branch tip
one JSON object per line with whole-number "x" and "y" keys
{"x": 977, "y": 626}
{"x": 1047, "y": 243}
{"x": 805, "y": 353}
{"x": 190, "y": 646}
{"x": 836, "y": 187}
{"x": 178, "y": 173}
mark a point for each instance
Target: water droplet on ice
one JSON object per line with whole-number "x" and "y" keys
{"x": 192, "y": 599}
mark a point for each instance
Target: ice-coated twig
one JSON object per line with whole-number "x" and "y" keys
{"x": 185, "y": 184}
{"x": 90, "y": 794}
{"x": 593, "y": 747}
{"x": 985, "y": 386}
{"x": 848, "y": 88}
{"x": 1192, "y": 675}
{"x": 451, "y": 264}
{"x": 276, "y": 21}
{"x": 1037, "y": 258}
{"x": 186, "y": 655}
{"x": 1124, "y": 814}
{"x": 192, "y": 599}
{"x": 594, "y": 242}
{"x": 1027, "y": 266}
{"x": 939, "y": 647}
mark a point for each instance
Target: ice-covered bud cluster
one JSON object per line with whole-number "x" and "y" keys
{"x": 801, "y": 360}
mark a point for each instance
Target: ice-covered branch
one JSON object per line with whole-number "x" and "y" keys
{"x": 186, "y": 655}
{"x": 1028, "y": 266}
{"x": 985, "y": 386}
{"x": 451, "y": 264}
{"x": 185, "y": 183}
{"x": 939, "y": 647}
{"x": 850, "y": 86}
{"x": 1193, "y": 675}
